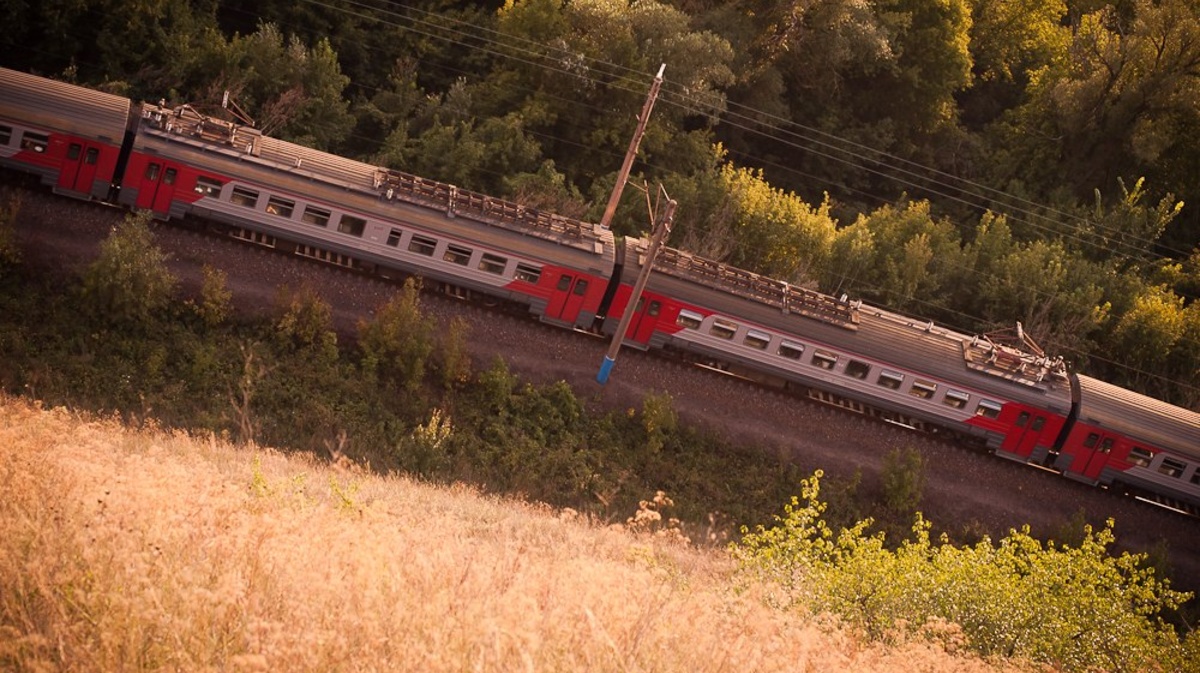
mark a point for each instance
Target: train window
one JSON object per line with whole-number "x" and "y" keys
{"x": 243, "y": 197}
{"x": 791, "y": 350}
{"x": 393, "y": 238}
{"x": 923, "y": 389}
{"x": 1196, "y": 476}
{"x": 527, "y": 273}
{"x": 457, "y": 254}
{"x": 689, "y": 319}
{"x": 1022, "y": 419}
{"x": 492, "y": 263}
{"x": 208, "y": 186}
{"x": 422, "y": 245}
{"x": 92, "y": 156}
{"x": 35, "y": 142}
{"x": 5, "y": 134}
{"x": 655, "y": 309}
{"x": 1040, "y": 422}
{"x": 152, "y": 172}
{"x": 723, "y": 329}
{"x": 757, "y": 339}
{"x": 581, "y": 287}
{"x": 824, "y": 359}
{"x": 280, "y": 207}
{"x": 1140, "y": 456}
{"x": 1105, "y": 446}
{"x": 858, "y": 370}
{"x": 352, "y": 225}
{"x": 168, "y": 176}
{"x": 1172, "y": 467}
{"x": 890, "y": 379}
{"x": 956, "y": 399}
{"x": 564, "y": 283}
{"x": 317, "y": 216}
{"x": 73, "y": 151}
{"x": 988, "y": 409}
{"x": 1092, "y": 440}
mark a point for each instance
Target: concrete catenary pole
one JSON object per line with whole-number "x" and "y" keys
{"x": 623, "y": 176}
{"x": 661, "y": 230}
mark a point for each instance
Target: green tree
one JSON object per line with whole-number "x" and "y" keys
{"x": 398, "y": 342}
{"x": 903, "y": 477}
{"x": 913, "y": 257}
{"x": 129, "y": 283}
{"x": 1121, "y": 103}
{"x": 215, "y": 302}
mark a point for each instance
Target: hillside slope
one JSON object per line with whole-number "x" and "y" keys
{"x": 126, "y": 550}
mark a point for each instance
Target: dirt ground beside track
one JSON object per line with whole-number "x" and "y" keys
{"x": 962, "y": 487}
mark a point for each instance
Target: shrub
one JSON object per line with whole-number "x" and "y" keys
{"x": 1076, "y": 608}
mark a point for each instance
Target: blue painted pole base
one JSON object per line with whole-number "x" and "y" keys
{"x": 605, "y": 368}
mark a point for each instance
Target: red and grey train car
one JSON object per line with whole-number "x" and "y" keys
{"x": 178, "y": 163}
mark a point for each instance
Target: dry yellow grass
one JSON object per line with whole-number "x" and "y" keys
{"x": 124, "y": 551}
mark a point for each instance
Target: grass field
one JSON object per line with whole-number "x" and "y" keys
{"x": 140, "y": 551}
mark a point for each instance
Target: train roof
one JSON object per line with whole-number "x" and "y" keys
{"x": 1139, "y": 417}
{"x": 185, "y": 126}
{"x": 63, "y": 107}
{"x": 889, "y": 338}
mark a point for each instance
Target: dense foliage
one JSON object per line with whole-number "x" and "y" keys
{"x": 978, "y": 162}
{"x": 1077, "y": 608}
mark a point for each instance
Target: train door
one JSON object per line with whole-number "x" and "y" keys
{"x": 79, "y": 167}
{"x": 645, "y": 318}
{"x": 568, "y": 298}
{"x": 157, "y": 187}
{"x": 1027, "y": 430}
{"x": 1092, "y": 455}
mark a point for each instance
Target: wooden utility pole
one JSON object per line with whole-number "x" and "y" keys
{"x": 623, "y": 176}
{"x": 661, "y": 230}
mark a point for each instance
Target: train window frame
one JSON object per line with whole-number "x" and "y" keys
{"x": 824, "y": 359}
{"x": 169, "y": 175}
{"x": 92, "y": 157}
{"x": 280, "y": 207}
{"x": 723, "y": 328}
{"x": 922, "y": 389}
{"x": 151, "y": 172}
{"x": 207, "y": 186}
{"x": 581, "y": 287}
{"x": 527, "y": 273}
{"x": 244, "y": 197}
{"x": 1091, "y": 440}
{"x": 73, "y": 151}
{"x": 457, "y": 254}
{"x": 956, "y": 399}
{"x": 1140, "y": 456}
{"x": 6, "y": 134}
{"x": 352, "y": 225}
{"x": 857, "y": 369}
{"x": 757, "y": 339}
{"x": 890, "y": 379}
{"x": 422, "y": 245}
{"x": 490, "y": 262}
{"x": 988, "y": 409}
{"x": 35, "y": 142}
{"x": 792, "y": 350}
{"x": 1106, "y": 444}
{"x": 318, "y": 217}
{"x": 689, "y": 319}
{"x": 1172, "y": 467}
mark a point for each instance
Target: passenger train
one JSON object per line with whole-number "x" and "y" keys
{"x": 1012, "y": 398}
